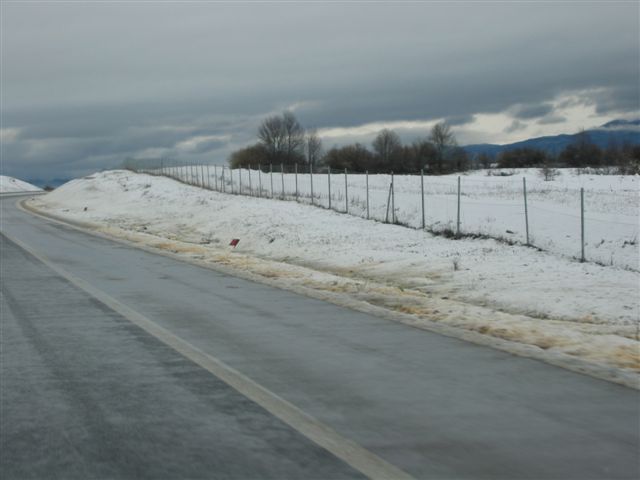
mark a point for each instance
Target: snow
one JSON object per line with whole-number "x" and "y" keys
{"x": 13, "y": 185}
{"x": 543, "y": 299}
{"x": 490, "y": 205}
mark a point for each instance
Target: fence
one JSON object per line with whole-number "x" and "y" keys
{"x": 529, "y": 211}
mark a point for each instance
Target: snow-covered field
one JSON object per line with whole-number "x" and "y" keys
{"x": 489, "y": 205}
{"x": 13, "y": 185}
{"x": 541, "y": 299}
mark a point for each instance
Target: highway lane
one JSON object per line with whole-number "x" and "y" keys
{"x": 434, "y": 406}
{"x": 87, "y": 394}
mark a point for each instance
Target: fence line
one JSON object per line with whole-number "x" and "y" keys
{"x": 414, "y": 211}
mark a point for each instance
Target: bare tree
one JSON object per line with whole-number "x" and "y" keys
{"x": 272, "y": 135}
{"x": 313, "y": 147}
{"x": 443, "y": 140}
{"x": 293, "y": 134}
{"x": 485, "y": 160}
{"x": 283, "y": 138}
{"x": 354, "y": 157}
{"x": 252, "y": 155}
{"x": 386, "y": 143}
{"x": 548, "y": 172}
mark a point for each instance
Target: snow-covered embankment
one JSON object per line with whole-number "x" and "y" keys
{"x": 515, "y": 293}
{"x": 13, "y": 185}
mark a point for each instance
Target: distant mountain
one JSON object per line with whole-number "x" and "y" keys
{"x": 621, "y": 123}
{"x": 51, "y": 182}
{"x": 619, "y": 131}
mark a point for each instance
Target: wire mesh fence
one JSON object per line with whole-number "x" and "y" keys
{"x": 588, "y": 225}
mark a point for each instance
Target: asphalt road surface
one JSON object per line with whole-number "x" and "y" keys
{"x": 86, "y": 392}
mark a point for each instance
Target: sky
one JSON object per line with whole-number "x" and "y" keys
{"x": 86, "y": 85}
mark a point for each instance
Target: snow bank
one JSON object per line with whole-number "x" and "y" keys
{"x": 510, "y": 292}
{"x": 13, "y": 185}
{"x": 491, "y": 204}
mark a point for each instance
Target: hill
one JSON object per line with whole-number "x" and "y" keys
{"x": 618, "y": 131}
{"x": 13, "y": 185}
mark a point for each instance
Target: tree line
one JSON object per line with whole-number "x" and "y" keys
{"x": 282, "y": 140}
{"x": 582, "y": 153}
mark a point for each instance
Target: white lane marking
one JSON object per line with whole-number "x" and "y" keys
{"x": 562, "y": 360}
{"x": 347, "y": 450}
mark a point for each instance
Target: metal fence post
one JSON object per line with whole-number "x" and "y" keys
{"x": 282, "y": 178}
{"x": 202, "y": 170}
{"x": 366, "y": 176}
{"x": 526, "y": 210}
{"x": 224, "y": 187}
{"x": 296, "y": 175}
{"x": 346, "y": 193}
{"x": 422, "y": 196}
{"x": 386, "y": 215}
{"x": 458, "y": 215}
{"x": 250, "y": 186}
{"x": 271, "y": 177}
{"x": 393, "y": 200}
{"x": 259, "y": 181}
{"x": 582, "y": 223}
{"x": 329, "y": 185}
{"x": 311, "y": 178}
{"x": 215, "y": 177}
{"x": 208, "y": 178}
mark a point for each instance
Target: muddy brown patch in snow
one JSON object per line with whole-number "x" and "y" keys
{"x": 418, "y": 282}
{"x": 443, "y": 309}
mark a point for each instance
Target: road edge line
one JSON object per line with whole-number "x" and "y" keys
{"x": 356, "y": 456}
{"x": 559, "y": 360}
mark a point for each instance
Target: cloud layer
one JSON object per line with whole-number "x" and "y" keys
{"x": 87, "y": 85}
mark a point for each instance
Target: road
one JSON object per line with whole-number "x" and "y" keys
{"x": 88, "y": 393}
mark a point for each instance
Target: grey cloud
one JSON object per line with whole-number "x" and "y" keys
{"x": 532, "y": 110}
{"x": 112, "y": 80}
{"x": 515, "y": 126}
{"x": 623, "y": 99}
{"x": 460, "y": 120}
{"x": 550, "y": 119}
{"x": 207, "y": 146}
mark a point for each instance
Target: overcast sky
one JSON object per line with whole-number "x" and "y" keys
{"x": 85, "y": 85}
